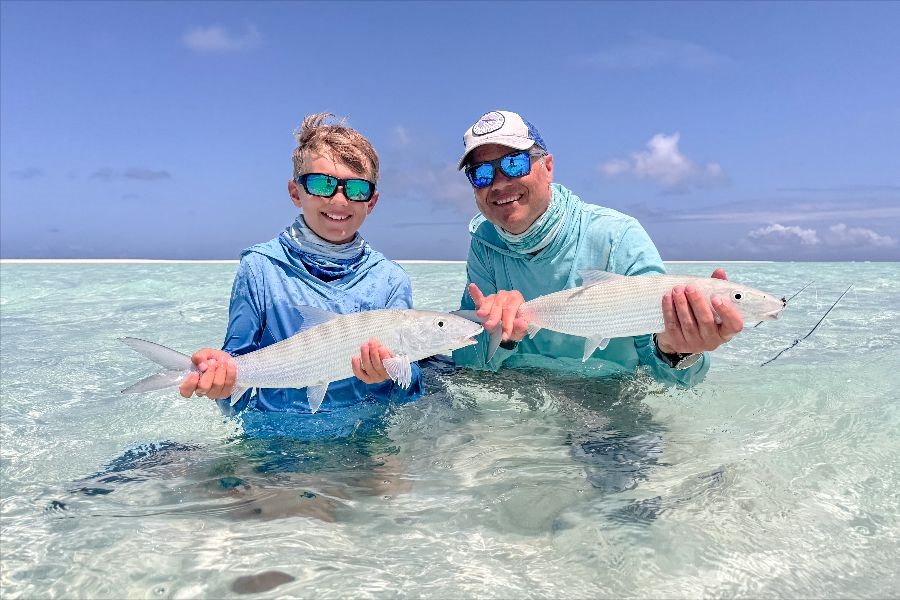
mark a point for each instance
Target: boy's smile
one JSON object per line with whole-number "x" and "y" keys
{"x": 334, "y": 219}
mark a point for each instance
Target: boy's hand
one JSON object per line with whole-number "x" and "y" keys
{"x": 218, "y": 372}
{"x": 368, "y": 367}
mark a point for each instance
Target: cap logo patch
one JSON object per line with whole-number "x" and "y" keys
{"x": 488, "y": 123}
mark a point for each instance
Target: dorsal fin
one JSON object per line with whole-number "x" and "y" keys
{"x": 313, "y": 316}
{"x": 591, "y": 277}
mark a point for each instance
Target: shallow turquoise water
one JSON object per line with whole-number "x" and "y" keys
{"x": 778, "y": 481}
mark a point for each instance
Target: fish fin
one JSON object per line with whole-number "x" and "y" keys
{"x": 533, "y": 330}
{"x": 399, "y": 369}
{"x": 719, "y": 319}
{"x": 315, "y": 394}
{"x": 313, "y": 316}
{"x": 163, "y": 379}
{"x": 176, "y": 364}
{"x": 591, "y": 277}
{"x": 494, "y": 341}
{"x": 594, "y": 343}
{"x": 236, "y": 394}
{"x": 172, "y": 360}
{"x": 466, "y": 314}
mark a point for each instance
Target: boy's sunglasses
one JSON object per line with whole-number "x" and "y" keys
{"x": 514, "y": 164}
{"x": 320, "y": 184}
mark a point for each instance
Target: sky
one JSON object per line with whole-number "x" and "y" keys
{"x": 731, "y": 131}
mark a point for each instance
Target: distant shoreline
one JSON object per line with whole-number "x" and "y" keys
{"x": 140, "y": 261}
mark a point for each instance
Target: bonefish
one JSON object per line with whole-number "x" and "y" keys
{"x": 321, "y": 353}
{"x": 609, "y": 305}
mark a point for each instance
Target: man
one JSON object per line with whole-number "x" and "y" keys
{"x": 533, "y": 237}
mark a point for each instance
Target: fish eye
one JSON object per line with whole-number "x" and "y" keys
{"x": 737, "y": 295}
{"x": 440, "y": 323}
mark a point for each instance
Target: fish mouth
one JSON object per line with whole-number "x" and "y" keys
{"x": 771, "y": 316}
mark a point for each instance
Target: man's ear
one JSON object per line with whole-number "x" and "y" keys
{"x": 371, "y": 203}
{"x": 548, "y": 164}
{"x": 294, "y": 192}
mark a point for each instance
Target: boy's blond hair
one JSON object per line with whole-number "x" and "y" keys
{"x": 342, "y": 143}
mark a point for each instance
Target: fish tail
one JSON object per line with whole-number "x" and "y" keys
{"x": 177, "y": 366}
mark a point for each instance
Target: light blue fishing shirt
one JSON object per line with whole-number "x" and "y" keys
{"x": 591, "y": 238}
{"x": 271, "y": 283}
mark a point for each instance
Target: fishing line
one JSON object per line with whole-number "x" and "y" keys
{"x": 789, "y": 299}
{"x": 811, "y": 330}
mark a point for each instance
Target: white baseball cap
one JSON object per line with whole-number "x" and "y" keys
{"x": 501, "y": 127}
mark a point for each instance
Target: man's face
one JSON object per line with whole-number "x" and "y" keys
{"x": 335, "y": 219}
{"x": 513, "y": 204}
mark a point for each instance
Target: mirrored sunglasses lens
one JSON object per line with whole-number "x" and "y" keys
{"x": 516, "y": 165}
{"x": 320, "y": 185}
{"x": 358, "y": 190}
{"x": 481, "y": 176}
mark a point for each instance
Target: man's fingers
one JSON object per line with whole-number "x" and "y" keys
{"x": 475, "y": 293}
{"x": 719, "y": 274}
{"x": 706, "y": 321}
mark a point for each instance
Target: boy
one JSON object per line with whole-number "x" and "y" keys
{"x": 319, "y": 260}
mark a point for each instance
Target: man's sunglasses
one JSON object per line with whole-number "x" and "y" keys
{"x": 320, "y": 184}
{"x": 514, "y": 164}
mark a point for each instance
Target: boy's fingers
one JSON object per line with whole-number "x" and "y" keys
{"x": 187, "y": 387}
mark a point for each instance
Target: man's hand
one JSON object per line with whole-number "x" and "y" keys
{"x": 501, "y": 308}
{"x": 218, "y": 372}
{"x": 368, "y": 366}
{"x": 690, "y": 323}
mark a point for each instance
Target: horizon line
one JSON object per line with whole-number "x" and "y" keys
{"x": 236, "y": 261}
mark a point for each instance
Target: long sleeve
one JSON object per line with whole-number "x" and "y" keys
{"x": 245, "y": 324}
{"x": 475, "y": 356}
{"x": 402, "y": 298}
{"x": 635, "y": 254}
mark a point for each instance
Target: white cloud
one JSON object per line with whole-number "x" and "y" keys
{"x": 837, "y": 236}
{"x": 218, "y": 39}
{"x": 645, "y": 51}
{"x": 841, "y": 236}
{"x": 779, "y": 235}
{"x": 401, "y": 136}
{"x": 664, "y": 163}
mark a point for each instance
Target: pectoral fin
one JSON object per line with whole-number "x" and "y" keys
{"x": 593, "y": 343}
{"x": 314, "y": 395}
{"x": 533, "y": 330}
{"x": 495, "y": 339}
{"x": 399, "y": 369}
{"x": 236, "y": 394}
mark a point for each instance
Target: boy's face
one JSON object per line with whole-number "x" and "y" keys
{"x": 335, "y": 219}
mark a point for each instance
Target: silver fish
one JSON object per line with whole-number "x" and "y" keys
{"x": 321, "y": 353}
{"x": 609, "y": 305}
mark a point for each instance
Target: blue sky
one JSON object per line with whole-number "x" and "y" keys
{"x": 754, "y": 131}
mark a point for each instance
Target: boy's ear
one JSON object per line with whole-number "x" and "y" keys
{"x": 371, "y": 203}
{"x": 294, "y": 191}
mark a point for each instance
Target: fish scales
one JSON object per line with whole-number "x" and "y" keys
{"x": 622, "y": 307}
{"x": 319, "y": 354}
{"x": 611, "y": 305}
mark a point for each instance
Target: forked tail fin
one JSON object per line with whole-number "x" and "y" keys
{"x": 176, "y": 364}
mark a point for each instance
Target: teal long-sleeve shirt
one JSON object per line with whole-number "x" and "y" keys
{"x": 592, "y": 237}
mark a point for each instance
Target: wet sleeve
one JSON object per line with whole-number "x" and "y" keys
{"x": 246, "y": 319}
{"x": 245, "y": 314}
{"x": 401, "y": 297}
{"x": 635, "y": 254}
{"x": 475, "y": 356}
